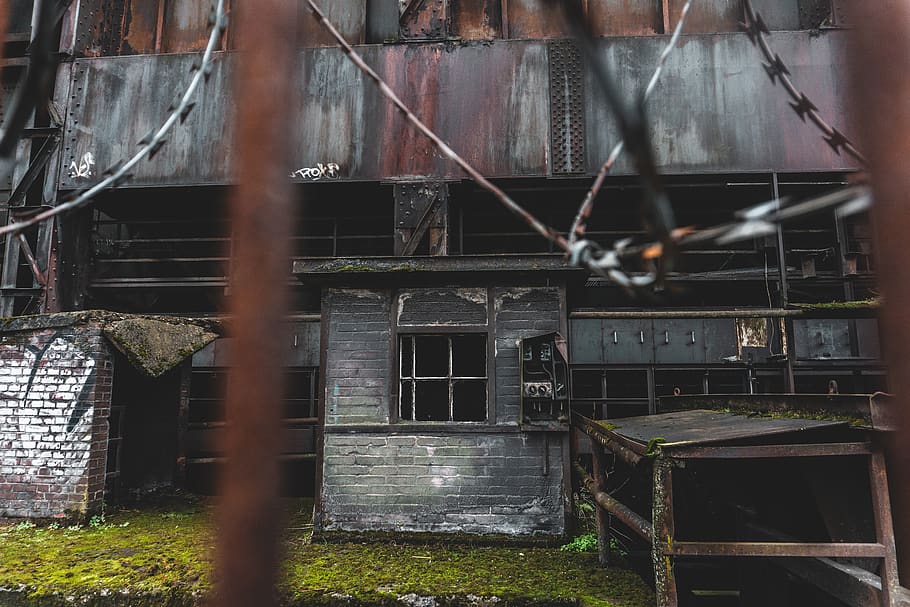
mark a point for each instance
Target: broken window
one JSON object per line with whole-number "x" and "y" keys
{"x": 443, "y": 378}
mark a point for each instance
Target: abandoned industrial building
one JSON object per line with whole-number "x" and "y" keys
{"x": 448, "y": 366}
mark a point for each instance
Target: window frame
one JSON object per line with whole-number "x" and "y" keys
{"x": 447, "y": 332}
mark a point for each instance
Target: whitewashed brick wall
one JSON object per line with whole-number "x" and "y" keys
{"x": 55, "y": 392}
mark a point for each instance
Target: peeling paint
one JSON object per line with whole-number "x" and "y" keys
{"x": 752, "y": 332}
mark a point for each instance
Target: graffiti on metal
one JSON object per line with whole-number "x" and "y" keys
{"x": 84, "y": 169}
{"x": 318, "y": 172}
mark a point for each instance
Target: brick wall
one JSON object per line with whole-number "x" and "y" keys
{"x": 357, "y": 361}
{"x": 55, "y": 394}
{"x": 412, "y": 477}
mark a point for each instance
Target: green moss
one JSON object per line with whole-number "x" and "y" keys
{"x": 351, "y": 267}
{"x": 862, "y": 304}
{"x": 154, "y": 346}
{"x": 607, "y": 425}
{"x": 162, "y": 558}
{"x": 654, "y": 445}
{"x": 809, "y": 415}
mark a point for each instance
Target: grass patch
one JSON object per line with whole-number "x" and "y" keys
{"x": 168, "y": 554}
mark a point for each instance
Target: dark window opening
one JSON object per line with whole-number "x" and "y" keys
{"x": 206, "y": 422}
{"x": 443, "y": 378}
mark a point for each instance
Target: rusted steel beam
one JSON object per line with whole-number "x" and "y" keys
{"x": 768, "y": 451}
{"x": 881, "y": 509}
{"x": 623, "y": 513}
{"x": 611, "y": 442}
{"x": 663, "y": 531}
{"x": 159, "y": 26}
{"x": 800, "y": 549}
{"x": 32, "y": 262}
{"x": 596, "y": 485}
{"x": 262, "y": 216}
{"x": 848, "y": 583}
{"x": 749, "y": 313}
{"x": 880, "y": 62}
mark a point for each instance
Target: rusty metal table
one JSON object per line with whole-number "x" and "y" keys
{"x": 667, "y": 440}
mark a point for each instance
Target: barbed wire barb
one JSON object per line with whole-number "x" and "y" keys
{"x": 587, "y": 205}
{"x": 757, "y": 30}
{"x": 534, "y": 223}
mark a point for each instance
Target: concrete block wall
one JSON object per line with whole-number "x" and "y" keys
{"x": 55, "y": 395}
{"x": 478, "y": 478}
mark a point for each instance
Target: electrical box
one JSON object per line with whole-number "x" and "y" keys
{"x": 544, "y": 364}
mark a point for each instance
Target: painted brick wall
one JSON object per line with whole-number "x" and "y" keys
{"x": 474, "y": 479}
{"x": 482, "y": 483}
{"x": 518, "y": 313}
{"x": 55, "y": 394}
{"x": 357, "y": 362}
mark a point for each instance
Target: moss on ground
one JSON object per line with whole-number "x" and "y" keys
{"x": 158, "y": 557}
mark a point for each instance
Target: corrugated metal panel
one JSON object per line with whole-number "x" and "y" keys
{"x": 625, "y": 17}
{"x": 532, "y": 19}
{"x": 476, "y": 19}
{"x": 708, "y": 16}
{"x": 185, "y": 26}
{"x": 140, "y": 27}
{"x": 489, "y": 102}
{"x": 348, "y": 16}
{"x": 498, "y": 118}
{"x": 778, "y": 14}
{"x": 714, "y": 111}
{"x": 715, "y": 108}
{"x": 116, "y": 101}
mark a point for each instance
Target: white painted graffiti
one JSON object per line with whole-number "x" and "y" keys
{"x": 83, "y": 170}
{"x": 318, "y": 172}
{"x": 46, "y": 419}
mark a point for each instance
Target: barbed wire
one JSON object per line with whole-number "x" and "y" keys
{"x": 757, "y": 30}
{"x": 656, "y": 212}
{"x": 753, "y": 222}
{"x": 579, "y": 225}
{"x": 151, "y": 143}
{"x": 534, "y": 223}
{"x": 750, "y": 223}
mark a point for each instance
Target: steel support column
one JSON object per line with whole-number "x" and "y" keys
{"x": 663, "y": 531}
{"x": 602, "y": 516}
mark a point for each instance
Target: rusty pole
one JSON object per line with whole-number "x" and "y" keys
{"x": 262, "y": 220}
{"x": 880, "y": 66}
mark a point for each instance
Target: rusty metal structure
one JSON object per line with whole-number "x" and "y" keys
{"x": 693, "y": 448}
{"x": 415, "y": 384}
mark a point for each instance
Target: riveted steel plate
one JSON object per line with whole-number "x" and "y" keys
{"x": 567, "y": 108}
